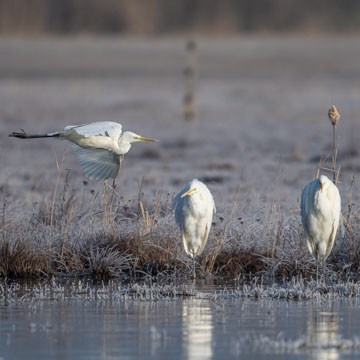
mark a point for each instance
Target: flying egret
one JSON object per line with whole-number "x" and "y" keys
{"x": 320, "y": 214}
{"x": 99, "y": 146}
{"x": 193, "y": 214}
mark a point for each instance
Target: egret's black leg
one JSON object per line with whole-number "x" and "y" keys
{"x": 112, "y": 199}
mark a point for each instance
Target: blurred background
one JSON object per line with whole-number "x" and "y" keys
{"x": 256, "y": 76}
{"x": 159, "y": 17}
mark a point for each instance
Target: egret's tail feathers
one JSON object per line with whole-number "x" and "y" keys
{"x": 97, "y": 164}
{"x": 24, "y": 135}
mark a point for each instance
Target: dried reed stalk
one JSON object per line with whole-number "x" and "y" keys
{"x": 334, "y": 117}
{"x": 52, "y": 209}
{"x": 105, "y": 203}
{"x": 3, "y": 221}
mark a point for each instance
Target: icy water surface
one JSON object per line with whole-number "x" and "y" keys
{"x": 206, "y": 326}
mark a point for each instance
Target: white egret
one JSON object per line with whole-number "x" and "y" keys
{"x": 320, "y": 214}
{"x": 194, "y": 210}
{"x": 99, "y": 146}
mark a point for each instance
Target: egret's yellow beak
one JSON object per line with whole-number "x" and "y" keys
{"x": 144, "y": 138}
{"x": 322, "y": 187}
{"x": 188, "y": 192}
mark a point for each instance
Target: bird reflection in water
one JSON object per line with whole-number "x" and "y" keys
{"x": 197, "y": 330}
{"x": 323, "y": 335}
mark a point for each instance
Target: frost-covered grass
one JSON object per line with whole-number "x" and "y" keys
{"x": 88, "y": 236}
{"x": 12, "y": 292}
{"x": 15, "y": 292}
{"x": 295, "y": 289}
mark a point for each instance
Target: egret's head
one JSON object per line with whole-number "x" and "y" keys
{"x": 193, "y": 187}
{"x": 192, "y": 190}
{"x": 324, "y": 182}
{"x": 132, "y": 137}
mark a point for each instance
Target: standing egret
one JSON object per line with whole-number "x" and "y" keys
{"x": 320, "y": 214}
{"x": 194, "y": 210}
{"x": 99, "y": 146}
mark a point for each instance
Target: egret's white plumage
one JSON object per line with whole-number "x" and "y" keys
{"x": 320, "y": 214}
{"x": 99, "y": 146}
{"x": 194, "y": 210}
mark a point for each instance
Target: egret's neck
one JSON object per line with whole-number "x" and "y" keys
{"x": 123, "y": 146}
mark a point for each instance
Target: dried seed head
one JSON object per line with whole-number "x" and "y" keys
{"x": 334, "y": 115}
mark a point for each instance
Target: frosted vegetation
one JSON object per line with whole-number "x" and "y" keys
{"x": 260, "y": 133}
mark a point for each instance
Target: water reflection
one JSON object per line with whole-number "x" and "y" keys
{"x": 197, "y": 330}
{"x": 323, "y": 334}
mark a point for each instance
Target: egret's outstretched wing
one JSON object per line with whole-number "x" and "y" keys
{"x": 104, "y": 128}
{"x": 97, "y": 164}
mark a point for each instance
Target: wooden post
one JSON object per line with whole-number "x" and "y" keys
{"x": 190, "y": 79}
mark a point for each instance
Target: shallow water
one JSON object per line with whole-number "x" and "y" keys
{"x": 204, "y": 327}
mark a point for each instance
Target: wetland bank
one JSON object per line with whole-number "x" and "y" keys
{"x": 261, "y": 129}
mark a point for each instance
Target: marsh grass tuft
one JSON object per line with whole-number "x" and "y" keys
{"x": 23, "y": 259}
